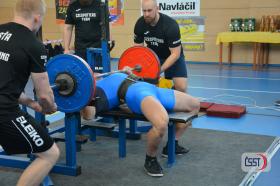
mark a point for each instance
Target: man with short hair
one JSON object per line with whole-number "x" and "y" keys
{"x": 21, "y": 55}
{"x": 161, "y": 33}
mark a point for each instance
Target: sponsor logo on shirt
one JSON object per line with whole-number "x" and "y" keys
{"x": 78, "y": 10}
{"x": 5, "y": 36}
{"x": 4, "y": 56}
{"x": 45, "y": 58}
{"x": 145, "y": 33}
{"x": 153, "y": 41}
{"x": 85, "y": 16}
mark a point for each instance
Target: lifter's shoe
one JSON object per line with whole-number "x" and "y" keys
{"x": 179, "y": 150}
{"x": 152, "y": 167}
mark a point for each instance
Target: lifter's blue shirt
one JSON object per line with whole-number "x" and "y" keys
{"x": 135, "y": 93}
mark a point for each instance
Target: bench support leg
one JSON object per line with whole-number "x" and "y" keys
{"x": 122, "y": 138}
{"x": 171, "y": 144}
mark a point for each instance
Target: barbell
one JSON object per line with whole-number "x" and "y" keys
{"x": 73, "y": 81}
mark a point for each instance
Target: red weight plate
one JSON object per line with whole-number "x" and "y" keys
{"x": 144, "y": 57}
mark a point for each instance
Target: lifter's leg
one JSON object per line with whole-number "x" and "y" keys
{"x": 180, "y": 84}
{"x": 88, "y": 113}
{"x": 157, "y": 115}
{"x": 184, "y": 103}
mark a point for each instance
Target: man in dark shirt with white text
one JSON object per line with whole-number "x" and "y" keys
{"x": 22, "y": 55}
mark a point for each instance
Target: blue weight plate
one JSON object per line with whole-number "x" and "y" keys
{"x": 83, "y": 75}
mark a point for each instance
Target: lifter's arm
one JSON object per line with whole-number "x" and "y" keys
{"x": 44, "y": 92}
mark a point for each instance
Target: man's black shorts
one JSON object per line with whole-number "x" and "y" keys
{"x": 178, "y": 69}
{"x": 21, "y": 134}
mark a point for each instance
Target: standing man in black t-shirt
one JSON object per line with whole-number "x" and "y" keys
{"x": 21, "y": 54}
{"x": 85, "y": 16}
{"x": 162, "y": 34}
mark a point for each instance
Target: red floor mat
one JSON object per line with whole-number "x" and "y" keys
{"x": 226, "y": 111}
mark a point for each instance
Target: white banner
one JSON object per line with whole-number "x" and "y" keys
{"x": 179, "y": 8}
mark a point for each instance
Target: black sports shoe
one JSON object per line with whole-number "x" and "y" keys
{"x": 152, "y": 167}
{"x": 179, "y": 150}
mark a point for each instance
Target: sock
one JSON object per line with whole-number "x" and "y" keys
{"x": 150, "y": 157}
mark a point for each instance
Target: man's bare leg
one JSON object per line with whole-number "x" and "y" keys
{"x": 157, "y": 115}
{"x": 88, "y": 113}
{"x": 184, "y": 103}
{"x": 34, "y": 174}
{"x": 180, "y": 84}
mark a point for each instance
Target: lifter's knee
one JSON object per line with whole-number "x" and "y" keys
{"x": 88, "y": 113}
{"x": 195, "y": 106}
{"x": 54, "y": 153}
{"x": 160, "y": 126}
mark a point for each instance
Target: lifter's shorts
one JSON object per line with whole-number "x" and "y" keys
{"x": 21, "y": 134}
{"x": 138, "y": 91}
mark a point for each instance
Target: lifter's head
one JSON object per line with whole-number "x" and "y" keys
{"x": 30, "y": 13}
{"x": 150, "y": 11}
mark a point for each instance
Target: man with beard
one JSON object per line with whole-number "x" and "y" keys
{"x": 161, "y": 33}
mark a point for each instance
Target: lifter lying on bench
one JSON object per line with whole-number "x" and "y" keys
{"x": 147, "y": 99}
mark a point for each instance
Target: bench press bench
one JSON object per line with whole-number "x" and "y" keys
{"x": 175, "y": 117}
